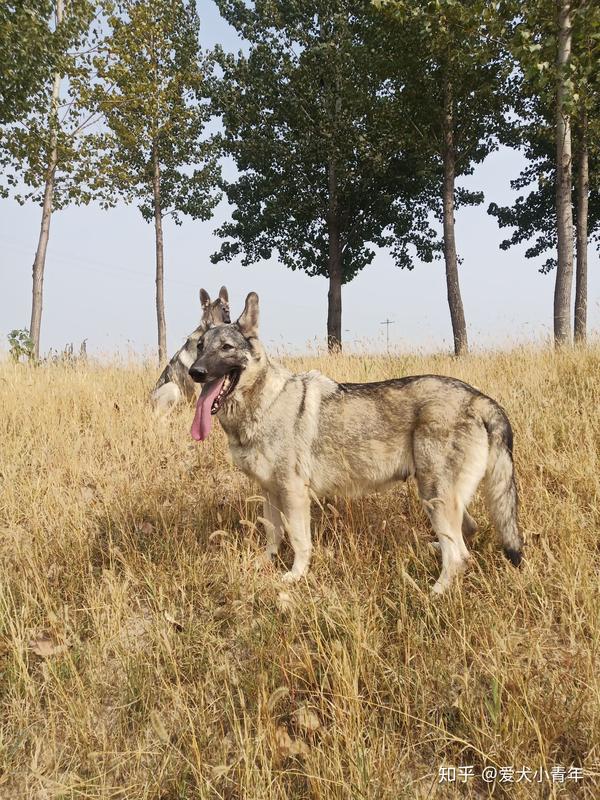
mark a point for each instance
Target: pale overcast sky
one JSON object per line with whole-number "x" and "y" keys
{"x": 99, "y": 279}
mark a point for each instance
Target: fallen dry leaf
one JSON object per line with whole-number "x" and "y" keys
{"x": 286, "y": 746}
{"x": 134, "y": 629}
{"x": 283, "y": 741}
{"x": 158, "y": 726}
{"x": 147, "y": 528}
{"x": 285, "y": 602}
{"x": 177, "y": 625}
{"x": 45, "y": 646}
{"x": 306, "y": 719}
{"x": 299, "y": 748}
{"x": 219, "y": 771}
{"x": 87, "y": 494}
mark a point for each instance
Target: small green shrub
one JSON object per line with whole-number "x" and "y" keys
{"x": 20, "y": 345}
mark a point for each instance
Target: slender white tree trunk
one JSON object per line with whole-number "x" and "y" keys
{"x": 564, "y": 209}
{"x": 39, "y": 261}
{"x": 583, "y": 188}
{"x": 457, "y": 314}
{"x": 334, "y": 296}
{"x": 160, "y": 292}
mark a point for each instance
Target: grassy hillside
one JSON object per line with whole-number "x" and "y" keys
{"x": 143, "y": 655}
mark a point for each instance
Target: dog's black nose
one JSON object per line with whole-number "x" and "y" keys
{"x": 197, "y": 374}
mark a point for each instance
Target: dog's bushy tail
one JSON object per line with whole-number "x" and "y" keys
{"x": 500, "y": 487}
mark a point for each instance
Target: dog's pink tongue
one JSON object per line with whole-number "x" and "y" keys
{"x": 203, "y": 418}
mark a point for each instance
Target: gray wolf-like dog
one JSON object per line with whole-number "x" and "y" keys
{"x": 175, "y": 382}
{"x": 297, "y": 434}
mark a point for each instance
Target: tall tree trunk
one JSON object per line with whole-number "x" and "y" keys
{"x": 583, "y": 186}
{"x": 564, "y": 210}
{"x": 457, "y": 314}
{"x": 334, "y": 297}
{"x": 39, "y": 262}
{"x": 160, "y": 292}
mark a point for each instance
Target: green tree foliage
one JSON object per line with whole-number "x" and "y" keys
{"x": 450, "y": 73}
{"x": 325, "y": 168}
{"x": 28, "y": 52}
{"x": 45, "y": 153}
{"x": 533, "y": 41}
{"x": 58, "y": 118}
{"x": 152, "y": 92}
{"x": 533, "y": 215}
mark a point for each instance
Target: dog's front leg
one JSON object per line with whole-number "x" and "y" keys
{"x": 273, "y": 525}
{"x": 165, "y": 398}
{"x": 295, "y": 505}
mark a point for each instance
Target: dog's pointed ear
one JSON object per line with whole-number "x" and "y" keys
{"x": 204, "y": 298}
{"x": 224, "y": 294}
{"x": 248, "y": 321}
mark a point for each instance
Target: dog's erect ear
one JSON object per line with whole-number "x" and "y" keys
{"x": 223, "y": 294}
{"x": 204, "y": 298}
{"x": 248, "y": 321}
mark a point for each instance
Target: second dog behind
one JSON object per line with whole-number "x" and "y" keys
{"x": 174, "y": 383}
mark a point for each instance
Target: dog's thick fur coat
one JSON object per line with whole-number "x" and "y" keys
{"x": 302, "y": 433}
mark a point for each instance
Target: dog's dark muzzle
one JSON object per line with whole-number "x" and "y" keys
{"x": 198, "y": 374}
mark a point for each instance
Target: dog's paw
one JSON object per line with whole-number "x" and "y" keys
{"x": 290, "y": 577}
{"x": 437, "y": 590}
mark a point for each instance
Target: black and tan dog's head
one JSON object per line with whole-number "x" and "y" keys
{"x": 226, "y": 359}
{"x": 217, "y": 311}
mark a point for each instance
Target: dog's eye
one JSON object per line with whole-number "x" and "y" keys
{"x": 200, "y": 345}
{"x": 227, "y": 347}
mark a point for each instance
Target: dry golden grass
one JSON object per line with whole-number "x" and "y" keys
{"x": 143, "y": 656}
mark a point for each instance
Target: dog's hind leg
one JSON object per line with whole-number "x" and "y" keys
{"x": 445, "y": 514}
{"x": 470, "y": 473}
{"x": 448, "y": 471}
{"x": 445, "y": 489}
{"x": 469, "y": 528}
{"x": 296, "y": 518}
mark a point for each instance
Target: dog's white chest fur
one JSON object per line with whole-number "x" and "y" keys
{"x": 254, "y": 462}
